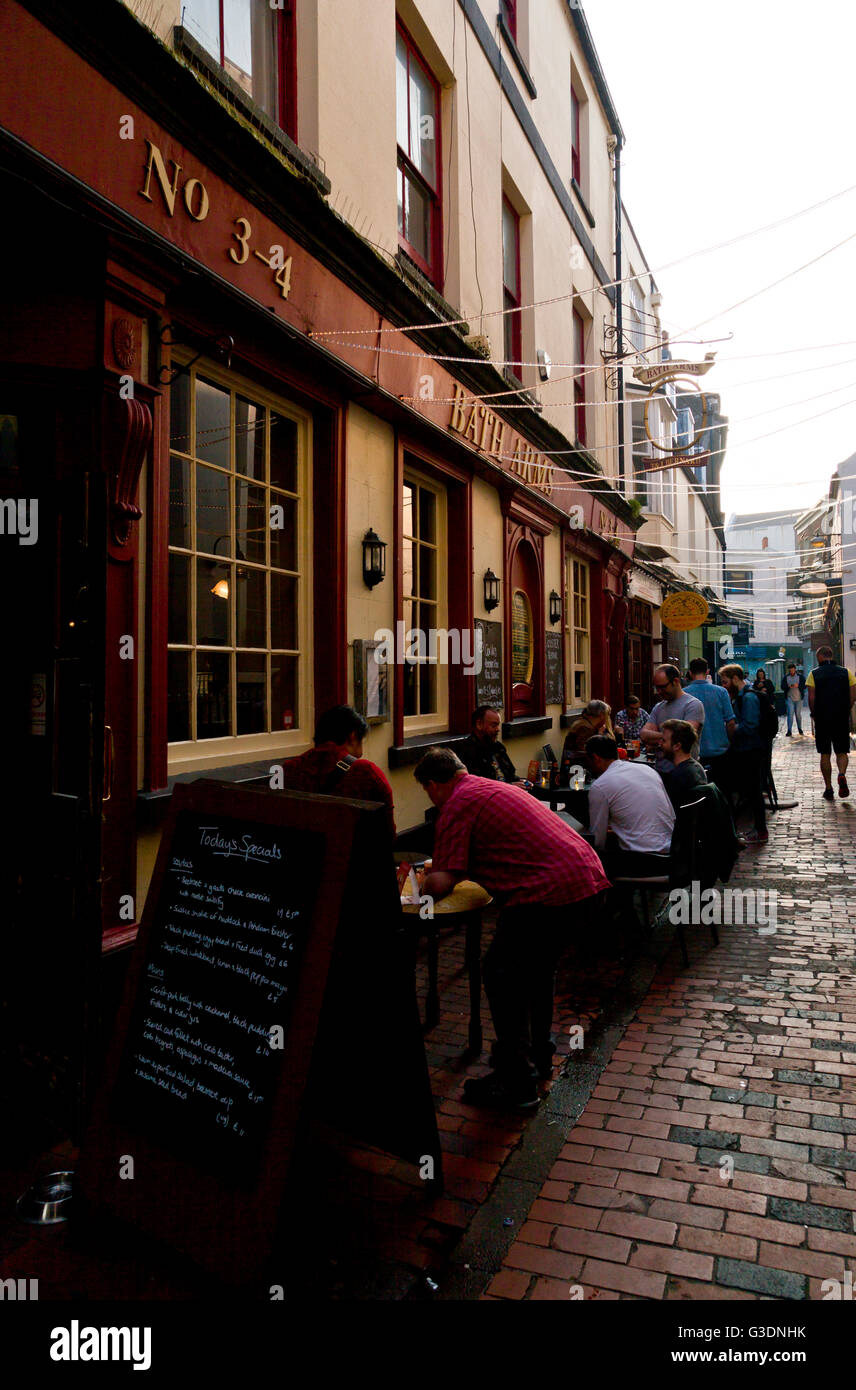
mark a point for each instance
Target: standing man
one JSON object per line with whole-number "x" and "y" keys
{"x": 689, "y": 775}
{"x": 831, "y": 696}
{"x": 550, "y": 884}
{"x": 482, "y": 753}
{"x": 719, "y": 724}
{"x": 748, "y": 750}
{"x": 674, "y": 703}
{"x": 793, "y": 684}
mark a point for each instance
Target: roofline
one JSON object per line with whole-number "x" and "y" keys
{"x": 580, "y": 23}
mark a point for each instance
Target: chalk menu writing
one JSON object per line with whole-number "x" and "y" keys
{"x": 210, "y": 1024}
{"x": 554, "y": 693}
{"x": 489, "y": 680}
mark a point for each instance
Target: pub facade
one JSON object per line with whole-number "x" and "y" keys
{"x": 262, "y": 455}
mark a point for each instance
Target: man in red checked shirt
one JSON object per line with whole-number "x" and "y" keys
{"x": 336, "y": 766}
{"x": 549, "y": 883}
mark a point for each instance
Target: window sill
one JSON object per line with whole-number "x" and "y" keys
{"x": 529, "y": 724}
{"x": 426, "y": 287}
{"x": 566, "y": 720}
{"x": 583, "y": 204}
{"x": 409, "y": 752}
{"x": 196, "y": 57}
{"x": 518, "y": 57}
{"x": 152, "y": 806}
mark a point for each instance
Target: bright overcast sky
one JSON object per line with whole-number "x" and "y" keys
{"x": 737, "y": 114}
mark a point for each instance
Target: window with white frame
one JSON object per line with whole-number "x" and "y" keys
{"x": 424, "y": 602}
{"x": 577, "y": 631}
{"x": 238, "y": 661}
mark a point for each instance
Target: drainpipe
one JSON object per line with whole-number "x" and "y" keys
{"x": 619, "y": 309}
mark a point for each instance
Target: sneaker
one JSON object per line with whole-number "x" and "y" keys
{"x": 829, "y": 794}
{"x": 757, "y": 837}
{"x": 495, "y": 1092}
{"x": 843, "y": 789}
{"x": 788, "y": 734}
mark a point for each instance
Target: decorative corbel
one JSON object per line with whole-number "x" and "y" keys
{"x": 131, "y": 435}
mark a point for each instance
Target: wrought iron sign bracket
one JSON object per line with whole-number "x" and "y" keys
{"x": 221, "y": 348}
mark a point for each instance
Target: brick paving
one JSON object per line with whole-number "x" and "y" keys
{"x": 716, "y": 1156}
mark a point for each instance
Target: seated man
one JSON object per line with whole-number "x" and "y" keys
{"x": 482, "y": 753}
{"x": 688, "y": 775}
{"x": 336, "y": 766}
{"x": 593, "y": 720}
{"x": 629, "y": 799}
{"x": 630, "y": 721}
{"x": 550, "y": 884}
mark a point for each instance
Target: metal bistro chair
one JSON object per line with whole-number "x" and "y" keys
{"x": 679, "y": 868}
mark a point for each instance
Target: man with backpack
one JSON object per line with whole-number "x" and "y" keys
{"x": 336, "y": 766}
{"x": 831, "y": 696}
{"x": 749, "y": 751}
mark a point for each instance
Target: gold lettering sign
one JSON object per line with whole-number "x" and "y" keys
{"x": 488, "y": 433}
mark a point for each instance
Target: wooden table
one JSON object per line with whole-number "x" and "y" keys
{"x": 462, "y": 907}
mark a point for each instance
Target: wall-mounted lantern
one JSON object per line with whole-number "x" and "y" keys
{"x": 555, "y": 607}
{"x": 491, "y": 591}
{"x": 374, "y": 559}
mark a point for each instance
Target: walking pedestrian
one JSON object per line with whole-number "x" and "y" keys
{"x": 550, "y": 884}
{"x": 748, "y": 751}
{"x": 793, "y": 685}
{"x": 831, "y": 696}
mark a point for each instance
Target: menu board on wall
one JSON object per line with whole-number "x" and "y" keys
{"x": 489, "y": 679}
{"x": 554, "y": 686}
{"x": 272, "y": 929}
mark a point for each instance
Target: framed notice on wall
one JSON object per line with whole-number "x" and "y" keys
{"x": 371, "y": 682}
{"x": 489, "y": 678}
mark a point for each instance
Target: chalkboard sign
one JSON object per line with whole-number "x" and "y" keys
{"x": 555, "y": 690}
{"x": 489, "y": 680}
{"x": 272, "y": 931}
{"x": 224, "y": 949}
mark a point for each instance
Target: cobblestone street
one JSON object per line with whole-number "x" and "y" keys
{"x": 748, "y": 1055}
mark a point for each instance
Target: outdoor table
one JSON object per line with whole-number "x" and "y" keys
{"x": 462, "y": 907}
{"x": 567, "y": 799}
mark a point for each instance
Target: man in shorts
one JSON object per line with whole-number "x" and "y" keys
{"x": 831, "y": 696}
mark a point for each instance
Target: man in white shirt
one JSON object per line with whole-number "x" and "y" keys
{"x": 630, "y": 800}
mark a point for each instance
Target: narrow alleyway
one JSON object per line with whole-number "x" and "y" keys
{"x": 749, "y": 1056}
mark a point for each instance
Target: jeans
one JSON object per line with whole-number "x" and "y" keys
{"x": 793, "y": 708}
{"x": 519, "y": 973}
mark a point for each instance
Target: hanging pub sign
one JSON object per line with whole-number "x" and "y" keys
{"x": 681, "y": 612}
{"x": 658, "y": 374}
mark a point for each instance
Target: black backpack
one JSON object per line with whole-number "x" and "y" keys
{"x": 769, "y": 715}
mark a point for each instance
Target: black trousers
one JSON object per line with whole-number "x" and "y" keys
{"x": 519, "y": 973}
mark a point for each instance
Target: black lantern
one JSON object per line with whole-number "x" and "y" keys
{"x": 374, "y": 559}
{"x": 491, "y": 591}
{"x": 555, "y": 607}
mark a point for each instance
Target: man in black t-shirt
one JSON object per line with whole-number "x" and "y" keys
{"x": 482, "y": 753}
{"x": 682, "y": 784}
{"x": 831, "y": 696}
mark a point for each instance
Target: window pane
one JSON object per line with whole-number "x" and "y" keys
{"x": 178, "y": 697}
{"x": 213, "y": 517}
{"x": 212, "y": 694}
{"x": 178, "y": 624}
{"x": 427, "y": 572}
{"x": 213, "y": 611}
{"x": 427, "y": 516}
{"x": 212, "y": 423}
{"x": 427, "y": 689}
{"x": 251, "y": 693}
{"x": 283, "y": 692}
{"x": 411, "y": 689}
{"x": 283, "y": 538}
{"x": 407, "y": 567}
{"x": 423, "y": 123}
{"x": 250, "y": 439}
{"x": 401, "y": 91}
{"x": 251, "y": 523}
{"x": 509, "y": 251}
{"x": 521, "y": 637}
{"x": 179, "y": 502}
{"x": 283, "y": 611}
{"x": 283, "y": 452}
{"x": 251, "y": 609}
{"x": 237, "y": 42}
{"x": 179, "y": 414}
{"x": 202, "y": 18}
{"x": 417, "y": 218}
{"x": 408, "y": 513}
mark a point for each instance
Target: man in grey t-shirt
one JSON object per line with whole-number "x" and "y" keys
{"x": 673, "y": 704}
